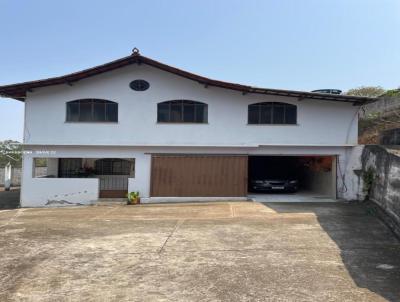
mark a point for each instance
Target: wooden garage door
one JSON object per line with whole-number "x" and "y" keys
{"x": 198, "y": 176}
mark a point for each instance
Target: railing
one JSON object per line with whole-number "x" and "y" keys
{"x": 113, "y": 182}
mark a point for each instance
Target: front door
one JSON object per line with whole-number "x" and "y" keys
{"x": 113, "y": 186}
{"x": 113, "y": 174}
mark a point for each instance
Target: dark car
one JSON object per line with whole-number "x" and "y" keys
{"x": 274, "y": 185}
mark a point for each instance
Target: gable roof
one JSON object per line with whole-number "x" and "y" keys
{"x": 18, "y": 91}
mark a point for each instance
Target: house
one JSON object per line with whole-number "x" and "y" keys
{"x": 136, "y": 124}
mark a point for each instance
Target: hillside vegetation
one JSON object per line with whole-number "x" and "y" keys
{"x": 378, "y": 117}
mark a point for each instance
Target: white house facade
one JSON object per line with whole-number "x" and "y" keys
{"x": 139, "y": 125}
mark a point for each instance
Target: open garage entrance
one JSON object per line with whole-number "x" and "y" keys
{"x": 292, "y": 178}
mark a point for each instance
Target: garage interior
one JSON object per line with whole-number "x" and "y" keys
{"x": 316, "y": 176}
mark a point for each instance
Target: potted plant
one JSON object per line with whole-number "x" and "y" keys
{"x": 133, "y": 198}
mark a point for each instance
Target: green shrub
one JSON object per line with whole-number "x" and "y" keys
{"x": 368, "y": 179}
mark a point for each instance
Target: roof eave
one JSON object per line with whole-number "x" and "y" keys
{"x": 18, "y": 91}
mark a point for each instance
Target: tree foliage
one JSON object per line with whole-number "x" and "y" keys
{"x": 10, "y": 152}
{"x": 367, "y": 91}
{"x": 393, "y": 92}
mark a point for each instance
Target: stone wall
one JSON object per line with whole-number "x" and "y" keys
{"x": 384, "y": 165}
{"x": 390, "y": 137}
{"x": 377, "y": 117}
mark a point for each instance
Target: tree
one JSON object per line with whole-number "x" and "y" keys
{"x": 367, "y": 91}
{"x": 10, "y": 151}
{"x": 393, "y": 92}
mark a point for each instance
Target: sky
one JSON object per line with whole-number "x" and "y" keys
{"x": 287, "y": 44}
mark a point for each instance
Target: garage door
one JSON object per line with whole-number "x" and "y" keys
{"x": 198, "y": 176}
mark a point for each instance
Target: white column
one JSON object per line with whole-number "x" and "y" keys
{"x": 141, "y": 181}
{"x": 26, "y": 178}
{"x": 7, "y": 177}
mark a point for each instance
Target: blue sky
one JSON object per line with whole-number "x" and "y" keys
{"x": 293, "y": 44}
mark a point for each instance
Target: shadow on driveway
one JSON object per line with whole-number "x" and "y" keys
{"x": 369, "y": 250}
{"x": 9, "y": 199}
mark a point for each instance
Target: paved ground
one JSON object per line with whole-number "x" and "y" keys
{"x": 290, "y": 197}
{"x": 9, "y": 199}
{"x": 198, "y": 252}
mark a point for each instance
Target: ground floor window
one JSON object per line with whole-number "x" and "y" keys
{"x": 71, "y": 167}
{"x": 82, "y": 167}
{"x": 40, "y": 168}
{"x": 113, "y": 166}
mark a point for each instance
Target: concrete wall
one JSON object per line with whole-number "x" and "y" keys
{"x": 319, "y": 122}
{"x": 385, "y": 190}
{"x": 349, "y": 174}
{"x": 320, "y": 182}
{"x": 142, "y": 155}
{"x": 15, "y": 176}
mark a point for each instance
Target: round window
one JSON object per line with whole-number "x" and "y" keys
{"x": 139, "y": 85}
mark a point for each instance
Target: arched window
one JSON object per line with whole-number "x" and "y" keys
{"x": 182, "y": 111}
{"x": 92, "y": 110}
{"x": 272, "y": 113}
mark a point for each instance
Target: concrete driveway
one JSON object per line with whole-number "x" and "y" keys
{"x": 228, "y": 251}
{"x": 289, "y": 197}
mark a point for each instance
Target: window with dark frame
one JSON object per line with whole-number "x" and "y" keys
{"x": 182, "y": 111}
{"x": 139, "y": 85}
{"x": 113, "y": 166}
{"x": 272, "y": 113}
{"x": 70, "y": 167}
{"x": 92, "y": 110}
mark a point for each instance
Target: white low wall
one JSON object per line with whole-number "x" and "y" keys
{"x": 40, "y": 192}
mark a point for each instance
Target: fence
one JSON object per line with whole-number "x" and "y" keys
{"x": 16, "y": 175}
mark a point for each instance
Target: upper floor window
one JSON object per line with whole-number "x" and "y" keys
{"x": 182, "y": 111}
{"x": 139, "y": 85}
{"x": 92, "y": 110}
{"x": 272, "y": 113}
